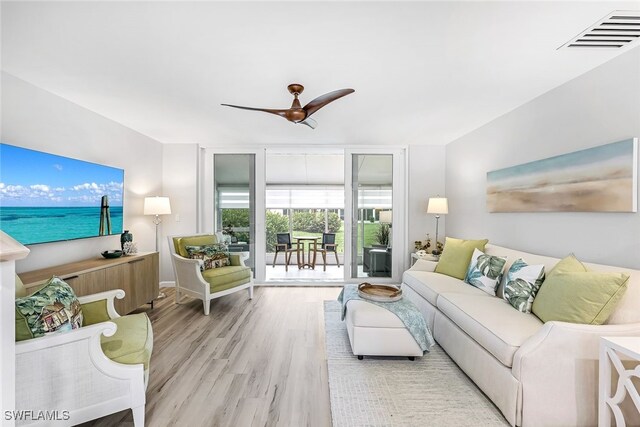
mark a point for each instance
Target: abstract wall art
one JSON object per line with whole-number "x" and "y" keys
{"x": 598, "y": 179}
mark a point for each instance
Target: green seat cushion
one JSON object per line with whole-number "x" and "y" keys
{"x": 133, "y": 341}
{"x": 456, "y": 256}
{"x": 180, "y": 243}
{"x": 224, "y": 278}
{"x": 585, "y": 297}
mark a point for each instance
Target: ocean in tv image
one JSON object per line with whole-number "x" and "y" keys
{"x": 48, "y": 198}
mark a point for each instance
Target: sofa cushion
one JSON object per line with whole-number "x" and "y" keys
{"x": 224, "y": 278}
{"x": 133, "y": 341}
{"x": 429, "y": 285}
{"x": 456, "y": 256}
{"x": 485, "y": 271}
{"x": 583, "y": 297}
{"x": 180, "y": 243}
{"x": 491, "y": 322}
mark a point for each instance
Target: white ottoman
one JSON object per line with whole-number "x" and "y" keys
{"x": 375, "y": 331}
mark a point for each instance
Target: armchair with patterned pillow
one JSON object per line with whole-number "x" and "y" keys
{"x": 82, "y": 361}
{"x": 204, "y": 269}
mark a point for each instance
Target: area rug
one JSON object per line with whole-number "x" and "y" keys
{"x": 394, "y": 391}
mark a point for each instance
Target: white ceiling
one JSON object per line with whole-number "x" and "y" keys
{"x": 424, "y": 72}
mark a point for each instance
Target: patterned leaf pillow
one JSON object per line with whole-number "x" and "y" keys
{"x": 212, "y": 256}
{"x": 53, "y": 308}
{"x": 485, "y": 271}
{"x": 522, "y": 285}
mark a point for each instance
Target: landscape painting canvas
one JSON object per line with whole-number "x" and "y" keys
{"x": 47, "y": 198}
{"x": 599, "y": 179}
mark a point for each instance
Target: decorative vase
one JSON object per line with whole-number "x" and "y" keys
{"x": 125, "y": 237}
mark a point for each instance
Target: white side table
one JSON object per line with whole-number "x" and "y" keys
{"x": 610, "y": 350}
{"x": 415, "y": 257}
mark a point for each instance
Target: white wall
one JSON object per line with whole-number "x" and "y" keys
{"x": 426, "y": 179}
{"x": 36, "y": 119}
{"x": 599, "y": 107}
{"x": 180, "y": 173}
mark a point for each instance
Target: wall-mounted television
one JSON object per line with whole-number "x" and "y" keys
{"x": 49, "y": 198}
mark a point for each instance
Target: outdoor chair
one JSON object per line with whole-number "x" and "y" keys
{"x": 284, "y": 245}
{"x": 328, "y": 245}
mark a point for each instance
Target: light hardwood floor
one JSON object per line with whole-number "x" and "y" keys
{"x": 250, "y": 363}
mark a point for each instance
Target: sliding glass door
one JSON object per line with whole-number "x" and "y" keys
{"x": 231, "y": 195}
{"x": 235, "y": 207}
{"x": 376, "y": 200}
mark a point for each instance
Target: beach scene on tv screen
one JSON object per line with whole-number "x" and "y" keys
{"x": 48, "y": 198}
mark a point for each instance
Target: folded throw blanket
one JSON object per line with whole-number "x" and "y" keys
{"x": 406, "y": 311}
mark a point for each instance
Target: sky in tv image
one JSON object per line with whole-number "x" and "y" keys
{"x": 35, "y": 179}
{"x": 47, "y": 198}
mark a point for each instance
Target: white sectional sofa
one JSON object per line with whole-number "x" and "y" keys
{"x": 537, "y": 374}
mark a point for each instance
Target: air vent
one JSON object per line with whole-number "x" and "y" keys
{"x": 618, "y": 29}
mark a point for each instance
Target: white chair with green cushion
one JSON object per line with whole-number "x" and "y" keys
{"x": 96, "y": 370}
{"x": 208, "y": 284}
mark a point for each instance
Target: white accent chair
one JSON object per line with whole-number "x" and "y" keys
{"x": 70, "y": 372}
{"x": 209, "y": 284}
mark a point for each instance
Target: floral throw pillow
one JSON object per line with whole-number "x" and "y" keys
{"x": 212, "y": 256}
{"x": 522, "y": 284}
{"x": 53, "y": 308}
{"x": 485, "y": 271}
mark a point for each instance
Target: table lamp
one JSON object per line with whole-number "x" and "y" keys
{"x": 438, "y": 206}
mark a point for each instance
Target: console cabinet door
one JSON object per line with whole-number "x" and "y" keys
{"x": 144, "y": 275}
{"x": 119, "y": 277}
{"x": 87, "y": 283}
{"x": 138, "y": 278}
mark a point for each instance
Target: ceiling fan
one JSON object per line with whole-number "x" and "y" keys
{"x": 297, "y": 113}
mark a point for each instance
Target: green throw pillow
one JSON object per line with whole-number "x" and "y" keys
{"x": 212, "y": 256}
{"x": 568, "y": 264}
{"x": 585, "y": 297}
{"x": 485, "y": 271}
{"x": 523, "y": 283}
{"x": 456, "y": 256}
{"x": 53, "y": 308}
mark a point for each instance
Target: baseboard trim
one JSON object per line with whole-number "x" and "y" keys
{"x": 168, "y": 284}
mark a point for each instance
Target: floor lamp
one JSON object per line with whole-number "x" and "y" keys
{"x": 157, "y": 206}
{"x": 438, "y": 206}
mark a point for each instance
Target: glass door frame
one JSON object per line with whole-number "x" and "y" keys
{"x": 399, "y": 220}
{"x": 208, "y": 220}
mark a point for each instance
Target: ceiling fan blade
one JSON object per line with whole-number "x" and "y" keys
{"x": 323, "y": 100}
{"x": 281, "y": 113}
{"x": 309, "y": 122}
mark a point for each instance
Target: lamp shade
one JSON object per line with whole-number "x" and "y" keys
{"x": 386, "y": 217}
{"x": 157, "y": 206}
{"x": 438, "y": 206}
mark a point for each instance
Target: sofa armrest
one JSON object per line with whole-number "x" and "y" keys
{"x": 424, "y": 265}
{"x": 54, "y": 340}
{"x": 100, "y": 307}
{"x": 558, "y": 367}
